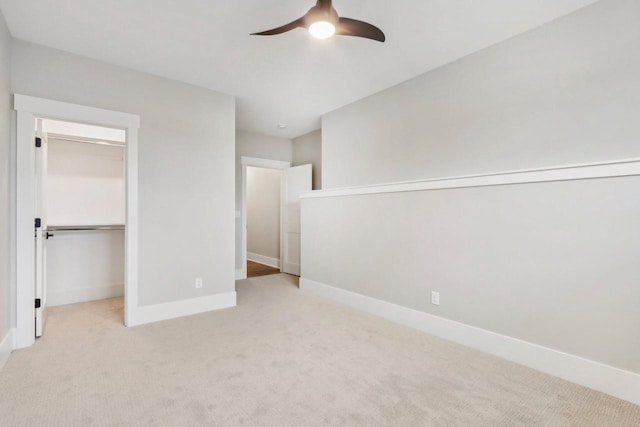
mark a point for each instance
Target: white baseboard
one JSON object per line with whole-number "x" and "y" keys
{"x": 240, "y": 274}
{"x": 172, "y": 310}
{"x": 261, "y": 259}
{"x": 6, "y": 347}
{"x": 74, "y": 296}
{"x": 607, "y": 379}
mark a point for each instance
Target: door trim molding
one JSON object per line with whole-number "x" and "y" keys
{"x": 260, "y": 163}
{"x": 29, "y": 108}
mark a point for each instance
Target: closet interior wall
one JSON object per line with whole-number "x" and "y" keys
{"x": 86, "y": 192}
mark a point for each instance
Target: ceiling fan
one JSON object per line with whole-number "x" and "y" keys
{"x": 323, "y": 21}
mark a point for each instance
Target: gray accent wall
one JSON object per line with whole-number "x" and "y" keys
{"x": 555, "y": 264}
{"x": 6, "y": 292}
{"x": 564, "y": 93}
{"x": 186, "y": 165}
{"x": 307, "y": 149}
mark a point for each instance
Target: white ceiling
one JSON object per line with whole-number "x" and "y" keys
{"x": 289, "y": 78}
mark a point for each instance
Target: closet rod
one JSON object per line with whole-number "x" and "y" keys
{"x": 85, "y": 227}
{"x": 60, "y": 137}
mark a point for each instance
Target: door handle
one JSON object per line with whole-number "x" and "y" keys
{"x": 47, "y": 235}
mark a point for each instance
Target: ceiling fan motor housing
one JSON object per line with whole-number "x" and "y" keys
{"x": 319, "y": 13}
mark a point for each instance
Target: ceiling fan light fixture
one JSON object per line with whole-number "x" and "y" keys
{"x": 322, "y": 29}
{"x": 323, "y": 21}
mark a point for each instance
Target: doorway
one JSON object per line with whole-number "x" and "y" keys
{"x": 293, "y": 181}
{"x": 31, "y": 292}
{"x": 81, "y": 205}
{"x": 263, "y": 221}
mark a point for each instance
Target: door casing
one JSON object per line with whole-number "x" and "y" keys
{"x": 28, "y": 109}
{"x": 261, "y": 163}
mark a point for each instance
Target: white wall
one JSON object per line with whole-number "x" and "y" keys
{"x": 84, "y": 266}
{"x": 263, "y": 212}
{"x": 6, "y": 294}
{"x": 566, "y": 92}
{"x": 307, "y": 149}
{"x": 250, "y": 144}
{"x": 186, "y": 158}
{"x": 555, "y": 264}
{"x": 85, "y": 184}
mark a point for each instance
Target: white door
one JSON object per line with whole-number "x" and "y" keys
{"x": 295, "y": 181}
{"x": 41, "y": 231}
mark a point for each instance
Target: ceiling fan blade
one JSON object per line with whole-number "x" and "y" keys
{"x": 298, "y": 23}
{"x": 353, "y": 27}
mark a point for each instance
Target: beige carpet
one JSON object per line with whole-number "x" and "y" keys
{"x": 281, "y": 358}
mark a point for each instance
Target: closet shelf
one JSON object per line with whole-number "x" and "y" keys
{"x": 85, "y": 227}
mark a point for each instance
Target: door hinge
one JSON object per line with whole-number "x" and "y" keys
{"x": 38, "y": 223}
{"x": 38, "y": 303}
{"x": 38, "y": 142}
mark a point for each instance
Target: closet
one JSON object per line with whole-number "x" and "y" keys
{"x": 82, "y": 200}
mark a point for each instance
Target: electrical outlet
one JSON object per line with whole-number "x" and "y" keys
{"x": 198, "y": 282}
{"x": 435, "y": 298}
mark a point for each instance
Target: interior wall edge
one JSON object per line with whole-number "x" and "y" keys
{"x": 7, "y": 317}
{"x": 6, "y": 347}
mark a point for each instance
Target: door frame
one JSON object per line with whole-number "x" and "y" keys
{"x": 260, "y": 163}
{"x": 29, "y": 108}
